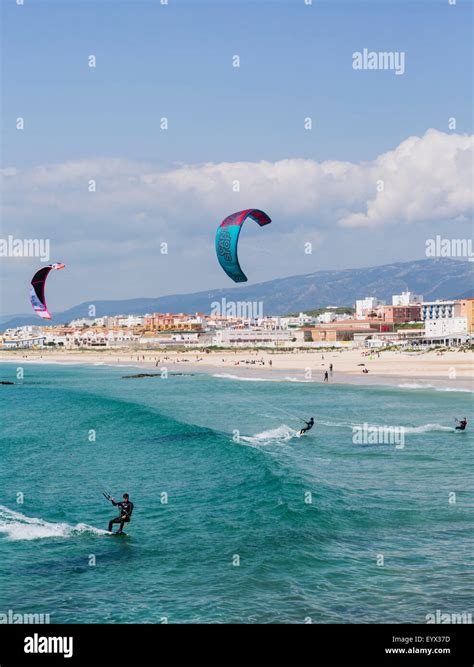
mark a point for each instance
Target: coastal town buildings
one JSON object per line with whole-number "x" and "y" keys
{"x": 407, "y": 321}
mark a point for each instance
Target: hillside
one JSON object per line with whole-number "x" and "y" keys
{"x": 434, "y": 279}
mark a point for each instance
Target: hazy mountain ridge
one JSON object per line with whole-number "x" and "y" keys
{"x": 434, "y": 279}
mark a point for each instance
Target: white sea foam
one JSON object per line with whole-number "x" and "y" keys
{"x": 464, "y": 391}
{"x": 17, "y": 526}
{"x": 229, "y": 376}
{"x": 43, "y": 362}
{"x": 287, "y": 378}
{"x": 423, "y": 428}
{"x": 281, "y": 434}
{"x": 416, "y": 385}
{"x": 293, "y": 379}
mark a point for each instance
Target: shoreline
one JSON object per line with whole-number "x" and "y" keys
{"x": 451, "y": 371}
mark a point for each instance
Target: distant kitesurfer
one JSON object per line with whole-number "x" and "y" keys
{"x": 308, "y": 427}
{"x": 462, "y": 424}
{"x": 126, "y": 509}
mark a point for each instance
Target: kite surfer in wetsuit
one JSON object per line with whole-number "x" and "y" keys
{"x": 462, "y": 424}
{"x": 308, "y": 427}
{"x": 126, "y": 509}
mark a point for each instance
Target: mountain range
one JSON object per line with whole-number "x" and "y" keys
{"x": 440, "y": 278}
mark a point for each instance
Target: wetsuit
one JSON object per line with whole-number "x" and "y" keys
{"x": 126, "y": 509}
{"x": 309, "y": 426}
{"x": 462, "y": 424}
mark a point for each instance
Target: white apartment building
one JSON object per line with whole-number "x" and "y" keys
{"x": 24, "y": 332}
{"x": 406, "y": 299}
{"x": 131, "y": 321}
{"x": 445, "y": 326}
{"x": 301, "y": 320}
{"x": 365, "y": 306}
{"x": 82, "y": 322}
{"x": 434, "y": 310}
{"x": 327, "y": 317}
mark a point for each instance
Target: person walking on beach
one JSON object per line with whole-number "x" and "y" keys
{"x": 330, "y": 368}
{"x": 326, "y": 376}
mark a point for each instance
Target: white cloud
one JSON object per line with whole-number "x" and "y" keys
{"x": 427, "y": 178}
{"x": 110, "y": 239}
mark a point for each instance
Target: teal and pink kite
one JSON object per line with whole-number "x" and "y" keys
{"x": 227, "y": 238}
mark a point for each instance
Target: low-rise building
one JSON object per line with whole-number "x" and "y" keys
{"x": 252, "y": 336}
{"x": 171, "y": 321}
{"x": 337, "y": 332}
{"x": 23, "y": 343}
{"x": 400, "y": 314}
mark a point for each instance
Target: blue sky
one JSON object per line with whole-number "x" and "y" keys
{"x": 175, "y": 61}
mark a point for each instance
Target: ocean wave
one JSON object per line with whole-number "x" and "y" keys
{"x": 287, "y": 378}
{"x": 17, "y": 526}
{"x": 416, "y": 385}
{"x": 229, "y": 376}
{"x": 293, "y": 379}
{"x": 464, "y": 391}
{"x": 42, "y": 362}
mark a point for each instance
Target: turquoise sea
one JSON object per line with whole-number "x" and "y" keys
{"x": 236, "y": 519}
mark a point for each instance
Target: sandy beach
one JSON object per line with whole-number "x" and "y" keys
{"x": 453, "y": 369}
